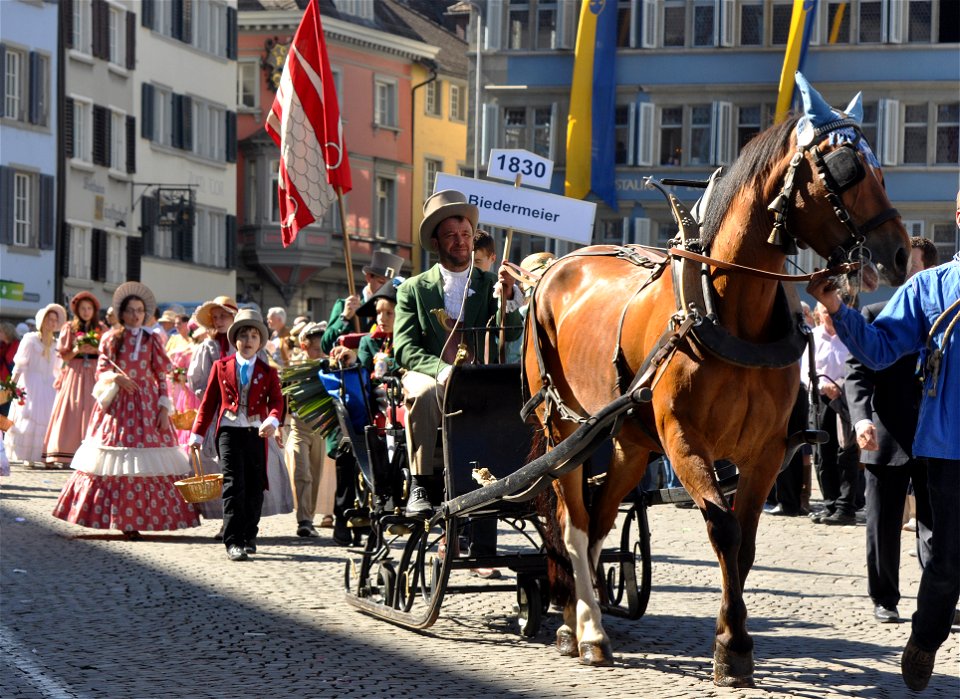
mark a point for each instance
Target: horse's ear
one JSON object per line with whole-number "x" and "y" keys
{"x": 814, "y": 106}
{"x": 854, "y": 110}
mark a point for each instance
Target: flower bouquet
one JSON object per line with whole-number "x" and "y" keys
{"x": 179, "y": 375}
{"x": 90, "y": 338}
{"x": 9, "y": 390}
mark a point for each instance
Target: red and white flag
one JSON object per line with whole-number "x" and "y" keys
{"x": 305, "y": 122}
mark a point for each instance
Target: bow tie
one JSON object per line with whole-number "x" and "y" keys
{"x": 244, "y": 374}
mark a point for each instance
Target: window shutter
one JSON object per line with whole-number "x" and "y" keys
{"x": 36, "y": 83}
{"x": 148, "y": 219}
{"x": 131, "y": 40}
{"x": 46, "y": 220}
{"x": 554, "y": 118}
{"x": 728, "y": 13}
{"x": 888, "y": 130}
{"x": 177, "y": 116}
{"x": 721, "y": 133}
{"x": 186, "y": 237}
{"x": 99, "y": 18}
{"x": 231, "y": 33}
{"x": 494, "y": 25}
{"x": 649, "y": 24}
{"x": 186, "y": 17}
{"x": 645, "y": 121}
{"x": 186, "y": 121}
{"x": 65, "y": 250}
{"x": 6, "y": 205}
{"x": 147, "y": 13}
{"x": 131, "y": 144}
{"x": 66, "y": 16}
{"x": 231, "y": 136}
{"x": 3, "y": 70}
{"x": 490, "y": 133}
{"x": 641, "y": 231}
{"x": 566, "y": 24}
{"x": 230, "y": 257}
{"x": 67, "y": 119}
{"x": 98, "y": 257}
{"x": 134, "y": 253}
{"x": 146, "y": 111}
{"x": 101, "y": 136}
{"x": 176, "y": 24}
{"x": 893, "y": 18}
{"x": 632, "y": 134}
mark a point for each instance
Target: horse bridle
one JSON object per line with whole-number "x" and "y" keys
{"x": 839, "y": 170}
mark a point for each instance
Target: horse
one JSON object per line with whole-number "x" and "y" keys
{"x": 812, "y": 180}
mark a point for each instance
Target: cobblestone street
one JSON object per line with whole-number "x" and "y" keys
{"x": 88, "y": 614}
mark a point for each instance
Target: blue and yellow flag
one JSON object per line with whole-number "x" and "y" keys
{"x": 801, "y": 26}
{"x": 591, "y": 133}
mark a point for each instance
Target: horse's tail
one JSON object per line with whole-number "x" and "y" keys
{"x": 559, "y": 567}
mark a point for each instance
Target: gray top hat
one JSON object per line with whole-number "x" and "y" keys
{"x": 384, "y": 264}
{"x": 247, "y": 317}
{"x": 443, "y": 205}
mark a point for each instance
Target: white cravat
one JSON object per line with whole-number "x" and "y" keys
{"x": 137, "y": 333}
{"x": 454, "y": 285}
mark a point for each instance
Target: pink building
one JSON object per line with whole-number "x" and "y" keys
{"x": 371, "y": 55}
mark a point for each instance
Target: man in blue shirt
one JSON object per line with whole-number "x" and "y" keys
{"x": 904, "y": 327}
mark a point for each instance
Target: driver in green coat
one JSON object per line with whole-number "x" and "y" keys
{"x": 432, "y": 307}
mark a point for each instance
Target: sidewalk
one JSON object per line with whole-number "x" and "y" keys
{"x": 88, "y": 614}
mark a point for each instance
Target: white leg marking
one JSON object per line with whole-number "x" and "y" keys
{"x": 589, "y": 627}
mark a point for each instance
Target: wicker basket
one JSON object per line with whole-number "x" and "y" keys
{"x": 200, "y": 488}
{"x": 184, "y": 420}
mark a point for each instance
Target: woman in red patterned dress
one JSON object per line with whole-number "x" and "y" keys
{"x": 126, "y": 467}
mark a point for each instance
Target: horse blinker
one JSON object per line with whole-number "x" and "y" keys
{"x": 844, "y": 167}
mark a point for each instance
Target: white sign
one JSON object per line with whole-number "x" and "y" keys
{"x": 527, "y": 210}
{"x": 507, "y": 163}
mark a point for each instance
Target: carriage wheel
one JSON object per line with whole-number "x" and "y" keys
{"x": 529, "y": 606}
{"x": 421, "y": 571}
{"x": 384, "y": 583}
{"x": 622, "y": 580}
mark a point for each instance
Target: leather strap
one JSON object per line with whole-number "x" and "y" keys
{"x": 843, "y": 268}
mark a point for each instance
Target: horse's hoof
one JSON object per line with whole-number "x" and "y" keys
{"x": 567, "y": 643}
{"x": 596, "y": 654}
{"x": 731, "y": 669}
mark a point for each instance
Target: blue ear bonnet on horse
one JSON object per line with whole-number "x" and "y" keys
{"x": 820, "y": 118}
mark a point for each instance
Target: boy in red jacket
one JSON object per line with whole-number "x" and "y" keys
{"x": 243, "y": 395}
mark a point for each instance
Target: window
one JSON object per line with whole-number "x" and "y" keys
{"x": 945, "y": 238}
{"x": 948, "y": 134}
{"x": 919, "y": 21}
{"x": 385, "y": 103}
{"x": 13, "y": 84}
{"x": 700, "y": 124}
{"x": 456, "y": 103}
{"x": 751, "y": 23}
{"x": 274, "y": 193}
{"x": 358, "y": 8}
{"x": 518, "y": 26}
{"x": 209, "y": 124}
{"x": 81, "y": 242}
{"x": 22, "y": 208}
{"x": 247, "y": 85}
{"x": 116, "y": 258}
{"x": 118, "y": 145}
{"x": 625, "y": 23}
{"x": 116, "y": 36}
{"x": 701, "y": 134}
{"x": 162, "y": 116}
{"x": 82, "y": 130}
{"x": 432, "y": 97}
{"x": 871, "y": 22}
{"x": 749, "y": 123}
{"x": 209, "y": 26}
{"x": 385, "y": 209}
{"x": 674, "y": 21}
{"x": 915, "y": 133}
{"x": 704, "y": 23}
{"x": 430, "y": 169}
{"x": 838, "y": 22}
{"x": 250, "y": 194}
{"x": 205, "y": 24}
{"x": 81, "y": 38}
{"x": 624, "y": 126}
{"x": 530, "y": 128}
{"x": 671, "y": 135}
{"x": 163, "y": 242}
{"x": 546, "y": 29}
{"x": 210, "y": 238}
{"x": 780, "y": 28}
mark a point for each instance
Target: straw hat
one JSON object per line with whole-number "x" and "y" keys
{"x": 169, "y": 316}
{"x": 141, "y": 291}
{"x": 227, "y": 303}
{"x": 85, "y": 296}
{"x": 384, "y": 264}
{"x": 247, "y": 318}
{"x": 54, "y": 308}
{"x": 443, "y": 205}
{"x": 298, "y": 327}
{"x": 311, "y": 330}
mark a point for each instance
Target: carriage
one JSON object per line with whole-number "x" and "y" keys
{"x": 635, "y": 348}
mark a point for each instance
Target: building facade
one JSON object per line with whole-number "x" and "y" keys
{"x": 372, "y": 54}
{"x": 696, "y": 79}
{"x": 29, "y": 56}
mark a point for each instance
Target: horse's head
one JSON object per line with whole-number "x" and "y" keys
{"x": 840, "y": 207}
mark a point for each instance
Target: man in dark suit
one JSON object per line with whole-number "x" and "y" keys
{"x": 432, "y": 307}
{"x": 884, "y": 408}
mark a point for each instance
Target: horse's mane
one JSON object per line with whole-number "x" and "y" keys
{"x": 750, "y": 169}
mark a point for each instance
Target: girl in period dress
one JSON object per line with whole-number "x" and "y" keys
{"x": 78, "y": 348}
{"x": 217, "y": 316}
{"x": 125, "y": 469}
{"x": 35, "y": 370}
{"x": 180, "y": 347}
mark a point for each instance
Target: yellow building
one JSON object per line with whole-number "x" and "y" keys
{"x": 439, "y": 115}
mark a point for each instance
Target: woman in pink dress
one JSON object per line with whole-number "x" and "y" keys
{"x": 77, "y": 346}
{"x": 35, "y": 369}
{"x": 124, "y": 472}
{"x": 180, "y": 349}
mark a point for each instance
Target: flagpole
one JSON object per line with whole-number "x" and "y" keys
{"x": 347, "y": 256}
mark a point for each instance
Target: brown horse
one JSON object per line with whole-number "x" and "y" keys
{"x": 704, "y": 408}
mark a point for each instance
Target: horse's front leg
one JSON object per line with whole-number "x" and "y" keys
{"x": 593, "y": 644}
{"x": 733, "y": 647}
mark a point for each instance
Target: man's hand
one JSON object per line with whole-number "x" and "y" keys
{"x": 822, "y": 288}
{"x": 344, "y": 356}
{"x": 867, "y": 437}
{"x": 506, "y": 282}
{"x": 350, "y": 306}
{"x": 830, "y": 391}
